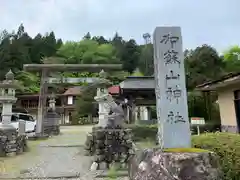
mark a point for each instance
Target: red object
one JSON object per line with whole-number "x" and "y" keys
{"x": 195, "y": 118}
{"x": 114, "y": 90}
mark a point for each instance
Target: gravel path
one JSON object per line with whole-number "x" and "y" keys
{"x": 60, "y": 157}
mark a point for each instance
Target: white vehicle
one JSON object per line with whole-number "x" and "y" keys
{"x": 30, "y": 121}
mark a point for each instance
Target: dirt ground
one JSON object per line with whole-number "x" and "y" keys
{"x": 59, "y": 157}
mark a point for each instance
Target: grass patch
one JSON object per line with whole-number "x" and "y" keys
{"x": 151, "y": 144}
{"x": 112, "y": 173}
{"x": 146, "y": 143}
{"x": 186, "y": 150}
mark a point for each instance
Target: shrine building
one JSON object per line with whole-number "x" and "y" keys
{"x": 228, "y": 90}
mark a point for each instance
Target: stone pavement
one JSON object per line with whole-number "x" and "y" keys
{"x": 59, "y": 157}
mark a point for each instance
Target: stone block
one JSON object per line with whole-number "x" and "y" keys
{"x": 157, "y": 165}
{"x": 94, "y": 166}
{"x": 230, "y": 129}
{"x": 108, "y": 145}
{"x": 21, "y": 144}
{"x": 103, "y": 166}
{"x": 21, "y": 127}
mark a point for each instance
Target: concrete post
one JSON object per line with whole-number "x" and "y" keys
{"x": 21, "y": 127}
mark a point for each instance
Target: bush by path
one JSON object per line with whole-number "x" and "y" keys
{"x": 141, "y": 132}
{"x": 225, "y": 145}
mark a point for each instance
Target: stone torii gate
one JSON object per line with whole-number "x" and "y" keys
{"x": 46, "y": 69}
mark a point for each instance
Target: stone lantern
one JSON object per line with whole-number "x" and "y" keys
{"x": 7, "y": 97}
{"x": 51, "y": 119}
{"x": 8, "y": 132}
{"x": 103, "y": 110}
{"x": 52, "y": 102}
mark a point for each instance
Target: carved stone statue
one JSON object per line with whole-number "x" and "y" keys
{"x": 109, "y": 141}
{"x": 116, "y": 115}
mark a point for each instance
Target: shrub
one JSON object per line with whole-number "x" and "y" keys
{"x": 206, "y": 128}
{"x": 150, "y": 131}
{"x": 141, "y": 132}
{"x": 227, "y": 147}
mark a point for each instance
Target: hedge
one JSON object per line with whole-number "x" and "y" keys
{"x": 225, "y": 145}
{"x": 141, "y": 132}
{"x": 206, "y": 128}
{"x": 150, "y": 131}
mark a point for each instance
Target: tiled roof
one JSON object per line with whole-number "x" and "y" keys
{"x": 77, "y": 90}
{"x": 73, "y": 90}
{"x": 142, "y": 82}
{"x": 221, "y": 79}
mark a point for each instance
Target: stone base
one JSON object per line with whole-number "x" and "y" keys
{"x": 17, "y": 146}
{"x": 155, "y": 165}
{"x": 21, "y": 144}
{"x": 231, "y": 129}
{"x": 108, "y": 146}
{"x": 52, "y": 130}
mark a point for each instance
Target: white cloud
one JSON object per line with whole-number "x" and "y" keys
{"x": 214, "y": 22}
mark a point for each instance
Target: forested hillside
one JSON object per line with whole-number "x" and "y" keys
{"x": 17, "y": 48}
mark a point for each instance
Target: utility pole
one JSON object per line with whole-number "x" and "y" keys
{"x": 147, "y": 39}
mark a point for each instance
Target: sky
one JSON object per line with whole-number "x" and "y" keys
{"x": 213, "y": 22}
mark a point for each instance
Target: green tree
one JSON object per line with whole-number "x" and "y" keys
{"x": 19, "y": 48}
{"x": 85, "y": 101}
{"x": 88, "y": 52}
{"x": 232, "y": 59}
{"x": 130, "y": 56}
{"x": 118, "y": 43}
{"x": 146, "y": 60}
{"x": 100, "y": 39}
{"x": 87, "y": 36}
{"x": 30, "y": 82}
{"x": 202, "y": 64}
{"x": 104, "y": 54}
{"x": 197, "y": 107}
{"x": 3, "y": 35}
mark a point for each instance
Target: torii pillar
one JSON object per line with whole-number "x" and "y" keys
{"x": 45, "y": 69}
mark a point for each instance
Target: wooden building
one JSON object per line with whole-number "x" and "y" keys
{"x": 139, "y": 91}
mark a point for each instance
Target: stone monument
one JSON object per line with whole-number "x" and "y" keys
{"x": 171, "y": 94}
{"x": 10, "y": 140}
{"x": 174, "y": 159}
{"x": 109, "y": 141}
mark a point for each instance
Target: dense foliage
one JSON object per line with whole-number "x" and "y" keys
{"x": 202, "y": 63}
{"x": 84, "y": 107}
{"x": 141, "y": 132}
{"x": 225, "y": 145}
{"x": 18, "y": 48}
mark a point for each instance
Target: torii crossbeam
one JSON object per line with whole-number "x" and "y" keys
{"x": 45, "y": 69}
